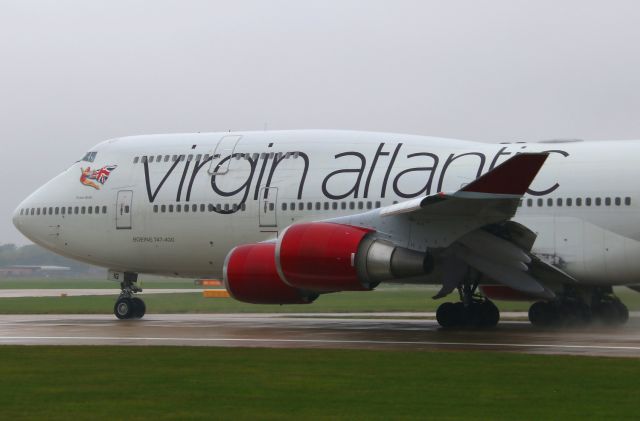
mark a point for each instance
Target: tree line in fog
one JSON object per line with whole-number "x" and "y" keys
{"x": 34, "y": 255}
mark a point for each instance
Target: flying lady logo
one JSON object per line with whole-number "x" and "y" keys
{"x": 95, "y": 178}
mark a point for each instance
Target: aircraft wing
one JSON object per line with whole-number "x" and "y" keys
{"x": 472, "y": 229}
{"x": 492, "y": 197}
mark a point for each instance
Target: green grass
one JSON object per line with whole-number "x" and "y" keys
{"x": 221, "y": 383}
{"x": 383, "y": 299}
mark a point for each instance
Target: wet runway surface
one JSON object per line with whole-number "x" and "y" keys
{"x": 314, "y": 331}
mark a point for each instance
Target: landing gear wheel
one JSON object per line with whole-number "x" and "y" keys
{"x": 543, "y": 314}
{"x": 448, "y": 315}
{"x": 139, "y": 308}
{"x": 489, "y": 314}
{"x": 124, "y": 308}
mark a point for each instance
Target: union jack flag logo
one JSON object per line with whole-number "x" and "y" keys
{"x": 100, "y": 175}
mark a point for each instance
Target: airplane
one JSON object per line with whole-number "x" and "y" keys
{"x": 284, "y": 217}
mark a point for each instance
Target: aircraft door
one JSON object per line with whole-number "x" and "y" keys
{"x": 267, "y": 212}
{"x": 225, "y": 147}
{"x": 124, "y": 209}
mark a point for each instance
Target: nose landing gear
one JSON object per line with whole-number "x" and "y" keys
{"x": 127, "y": 306}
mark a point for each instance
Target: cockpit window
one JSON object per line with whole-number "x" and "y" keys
{"x": 90, "y": 156}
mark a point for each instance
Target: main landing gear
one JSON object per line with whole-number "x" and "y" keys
{"x": 471, "y": 311}
{"x": 127, "y": 306}
{"x": 579, "y": 307}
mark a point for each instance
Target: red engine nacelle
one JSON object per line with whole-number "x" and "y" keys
{"x": 504, "y": 293}
{"x": 250, "y": 275}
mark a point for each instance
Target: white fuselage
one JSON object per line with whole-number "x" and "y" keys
{"x": 246, "y": 187}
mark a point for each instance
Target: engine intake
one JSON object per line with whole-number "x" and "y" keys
{"x": 250, "y": 276}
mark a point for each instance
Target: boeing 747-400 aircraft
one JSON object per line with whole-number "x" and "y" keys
{"x": 287, "y": 216}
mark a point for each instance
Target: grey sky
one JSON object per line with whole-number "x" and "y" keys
{"x": 73, "y": 73}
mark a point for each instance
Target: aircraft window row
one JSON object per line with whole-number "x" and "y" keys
{"x": 64, "y": 210}
{"x": 578, "y": 201}
{"x": 360, "y": 205}
{"x": 198, "y": 208}
{"x": 200, "y": 157}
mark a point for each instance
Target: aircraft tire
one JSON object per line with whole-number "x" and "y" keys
{"x": 448, "y": 315}
{"x": 124, "y": 308}
{"x": 543, "y": 314}
{"x": 139, "y": 308}
{"x": 489, "y": 314}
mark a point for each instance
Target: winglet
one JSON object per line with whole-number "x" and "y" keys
{"x": 513, "y": 176}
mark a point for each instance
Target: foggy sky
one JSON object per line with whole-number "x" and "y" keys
{"x": 73, "y": 73}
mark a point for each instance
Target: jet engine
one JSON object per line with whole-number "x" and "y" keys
{"x": 250, "y": 275}
{"x": 329, "y": 257}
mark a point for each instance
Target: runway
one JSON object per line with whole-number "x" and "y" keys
{"x": 315, "y": 331}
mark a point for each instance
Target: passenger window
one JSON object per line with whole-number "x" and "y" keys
{"x": 170, "y": 208}
{"x": 163, "y": 208}
{"x": 243, "y": 206}
{"x": 62, "y": 210}
{"x": 587, "y": 201}
{"x": 83, "y": 210}
{"x": 559, "y": 202}
{"x": 627, "y": 201}
{"x": 181, "y": 158}
{"x": 618, "y": 201}
{"x": 33, "y": 211}
{"x": 135, "y": 160}
{"x": 569, "y": 201}
{"x": 166, "y": 158}
{"x": 194, "y": 208}
{"x": 44, "y": 211}
{"x": 607, "y": 201}
{"x": 378, "y": 204}
{"x": 190, "y": 157}
{"x": 126, "y": 209}
{"x": 90, "y": 210}
{"x": 38, "y": 211}
{"x": 300, "y": 206}
{"x": 284, "y": 206}
{"x": 540, "y": 202}
{"x": 198, "y": 157}
{"x": 186, "y": 208}
{"x": 206, "y": 156}
{"x": 202, "y": 207}
{"x": 178, "y": 208}
{"x": 334, "y": 205}
{"x": 104, "y": 209}
{"x": 150, "y": 159}
{"x": 210, "y": 207}
{"x": 529, "y": 202}
{"x": 549, "y": 202}
{"x": 219, "y": 207}
{"x": 578, "y": 201}
{"x": 326, "y": 205}
{"x": 318, "y": 206}
{"x": 174, "y": 158}
{"x": 155, "y": 208}
{"x": 309, "y": 206}
{"x": 369, "y": 205}
{"x": 226, "y": 206}
{"x": 343, "y": 205}
{"x": 69, "y": 210}
{"x": 159, "y": 158}
{"x": 272, "y": 206}
{"x": 598, "y": 201}
{"x": 360, "y": 205}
